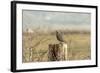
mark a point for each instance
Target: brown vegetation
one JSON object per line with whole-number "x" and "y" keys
{"x": 36, "y": 45}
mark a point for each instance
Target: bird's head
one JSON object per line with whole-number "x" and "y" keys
{"x": 57, "y": 31}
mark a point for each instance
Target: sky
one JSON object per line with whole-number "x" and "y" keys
{"x": 51, "y": 20}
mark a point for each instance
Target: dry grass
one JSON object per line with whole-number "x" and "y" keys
{"x": 78, "y": 46}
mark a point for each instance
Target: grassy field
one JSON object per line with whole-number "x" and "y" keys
{"x": 78, "y": 46}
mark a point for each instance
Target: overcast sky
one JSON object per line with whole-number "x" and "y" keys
{"x": 55, "y": 20}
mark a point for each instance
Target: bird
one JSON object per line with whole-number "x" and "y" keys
{"x": 59, "y": 36}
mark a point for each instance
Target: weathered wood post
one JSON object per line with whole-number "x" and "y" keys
{"x": 27, "y": 55}
{"x": 30, "y": 54}
{"x": 57, "y": 52}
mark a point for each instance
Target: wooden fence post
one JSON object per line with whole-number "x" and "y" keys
{"x": 57, "y": 52}
{"x": 30, "y": 54}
